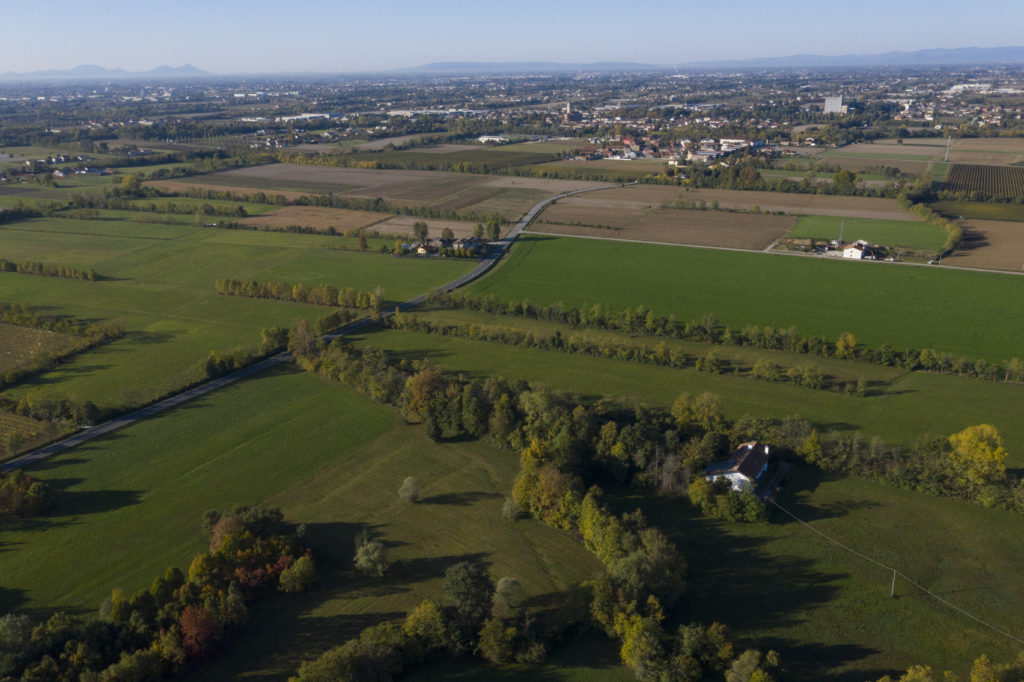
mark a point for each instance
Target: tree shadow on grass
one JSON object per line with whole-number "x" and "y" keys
{"x": 284, "y": 629}
{"x": 463, "y": 499}
{"x": 744, "y": 583}
{"x": 804, "y": 661}
{"x": 12, "y": 599}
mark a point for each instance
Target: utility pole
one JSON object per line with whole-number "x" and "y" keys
{"x": 892, "y": 591}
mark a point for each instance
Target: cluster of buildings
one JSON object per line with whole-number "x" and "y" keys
{"x": 429, "y": 247}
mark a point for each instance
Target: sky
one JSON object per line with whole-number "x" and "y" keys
{"x": 340, "y": 36}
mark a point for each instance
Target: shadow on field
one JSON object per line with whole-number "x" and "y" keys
{"x": 744, "y": 582}
{"x": 63, "y": 372}
{"x": 463, "y": 499}
{"x": 81, "y": 502}
{"x": 806, "y": 480}
{"x": 11, "y": 599}
{"x": 807, "y": 661}
{"x": 147, "y": 338}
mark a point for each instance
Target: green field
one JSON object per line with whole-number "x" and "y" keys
{"x": 828, "y": 611}
{"x": 817, "y": 297}
{"x": 329, "y": 458}
{"x": 891, "y": 233}
{"x": 161, "y": 286}
{"x": 898, "y": 410}
{"x": 979, "y": 210}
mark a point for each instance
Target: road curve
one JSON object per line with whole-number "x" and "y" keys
{"x": 497, "y": 251}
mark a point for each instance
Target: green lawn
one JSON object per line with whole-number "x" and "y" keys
{"x": 960, "y": 312}
{"x": 329, "y": 458}
{"x": 907, "y": 234}
{"x": 898, "y": 411}
{"x": 162, "y": 287}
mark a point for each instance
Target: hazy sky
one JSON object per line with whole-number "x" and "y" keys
{"x": 238, "y": 36}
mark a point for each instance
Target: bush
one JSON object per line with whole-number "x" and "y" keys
{"x": 410, "y": 490}
{"x": 299, "y": 577}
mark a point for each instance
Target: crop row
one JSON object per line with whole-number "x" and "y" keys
{"x": 993, "y": 181}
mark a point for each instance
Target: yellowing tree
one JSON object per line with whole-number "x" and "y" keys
{"x": 978, "y": 456}
{"x": 846, "y": 346}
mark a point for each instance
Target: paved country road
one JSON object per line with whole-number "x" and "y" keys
{"x": 497, "y": 251}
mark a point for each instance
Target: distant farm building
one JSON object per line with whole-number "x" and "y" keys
{"x": 859, "y": 250}
{"x": 744, "y": 468}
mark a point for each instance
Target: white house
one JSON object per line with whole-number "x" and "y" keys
{"x": 858, "y": 250}
{"x": 744, "y": 468}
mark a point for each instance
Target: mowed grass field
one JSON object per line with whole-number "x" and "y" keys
{"x": 898, "y": 407}
{"x": 329, "y": 458}
{"x": 162, "y": 287}
{"x": 892, "y": 233}
{"x": 964, "y": 313}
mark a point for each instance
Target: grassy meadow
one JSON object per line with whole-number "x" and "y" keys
{"x": 329, "y": 458}
{"x": 161, "y": 285}
{"x": 891, "y": 233}
{"x": 965, "y": 313}
{"x": 828, "y": 611}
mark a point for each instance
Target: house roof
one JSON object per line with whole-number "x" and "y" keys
{"x": 748, "y": 460}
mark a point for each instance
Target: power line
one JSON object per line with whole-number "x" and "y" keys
{"x": 896, "y": 572}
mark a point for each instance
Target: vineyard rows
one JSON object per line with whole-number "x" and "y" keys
{"x": 19, "y": 345}
{"x": 992, "y": 181}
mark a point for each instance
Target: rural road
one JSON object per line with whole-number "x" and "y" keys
{"x": 494, "y": 256}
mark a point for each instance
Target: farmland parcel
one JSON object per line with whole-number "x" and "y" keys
{"x": 879, "y": 302}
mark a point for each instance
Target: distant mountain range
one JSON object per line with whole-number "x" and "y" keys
{"x": 961, "y": 56}
{"x": 525, "y": 67}
{"x": 91, "y": 71}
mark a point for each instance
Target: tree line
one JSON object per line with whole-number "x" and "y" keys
{"x": 662, "y": 355}
{"x": 181, "y": 619}
{"x": 642, "y": 321}
{"x": 321, "y": 294}
{"x": 48, "y": 270}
